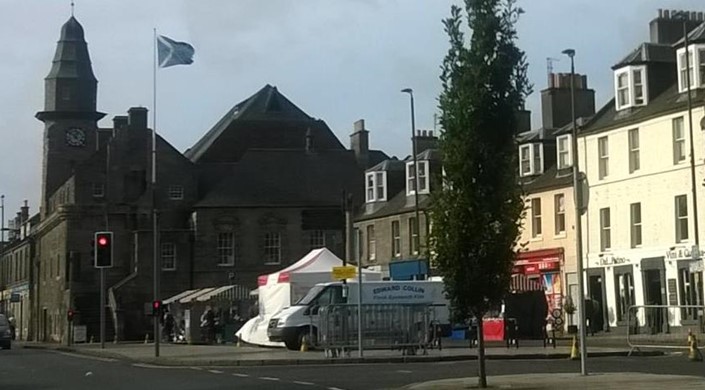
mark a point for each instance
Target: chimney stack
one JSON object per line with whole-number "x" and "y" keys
{"x": 360, "y": 143}
{"x": 556, "y": 100}
{"x": 425, "y": 140}
{"x": 120, "y": 122}
{"x": 667, "y": 27}
{"x": 25, "y": 212}
{"x": 137, "y": 118}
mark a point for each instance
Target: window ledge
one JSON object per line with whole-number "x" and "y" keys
{"x": 168, "y": 269}
{"x": 561, "y": 235}
{"x": 279, "y": 263}
{"x": 536, "y": 239}
{"x": 226, "y": 265}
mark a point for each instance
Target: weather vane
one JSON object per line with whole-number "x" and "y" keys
{"x": 72, "y": 5}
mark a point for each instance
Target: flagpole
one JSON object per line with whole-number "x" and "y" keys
{"x": 155, "y": 223}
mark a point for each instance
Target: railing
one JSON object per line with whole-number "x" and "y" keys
{"x": 663, "y": 326}
{"x": 408, "y": 328}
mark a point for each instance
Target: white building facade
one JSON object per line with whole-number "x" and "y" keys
{"x": 639, "y": 232}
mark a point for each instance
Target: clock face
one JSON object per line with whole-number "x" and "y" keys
{"x": 75, "y": 137}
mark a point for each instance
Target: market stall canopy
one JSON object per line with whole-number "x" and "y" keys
{"x": 521, "y": 283}
{"x": 231, "y": 292}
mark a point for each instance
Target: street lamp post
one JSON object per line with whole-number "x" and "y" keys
{"x": 416, "y": 172}
{"x": 578, "y": 218}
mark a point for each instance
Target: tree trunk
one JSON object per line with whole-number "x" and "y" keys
{"x": 481, "y": 372}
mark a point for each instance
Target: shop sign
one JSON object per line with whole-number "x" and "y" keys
{"x": 612, "y": 260}
{"x": 684, "y": 253}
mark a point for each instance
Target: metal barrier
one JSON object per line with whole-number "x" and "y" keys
{"x": 408, "y": 328}
{"x": 663, "y": 326}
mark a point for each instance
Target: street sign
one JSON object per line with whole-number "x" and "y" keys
{"x": 583, "y": 193}
{"x": 345, "y": 272}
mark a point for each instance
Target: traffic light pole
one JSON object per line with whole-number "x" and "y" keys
{"x": 102, "y": 308}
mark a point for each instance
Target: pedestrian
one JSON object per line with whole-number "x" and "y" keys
{"x": 207, "y": 325}
{"x": 169, "y": 326}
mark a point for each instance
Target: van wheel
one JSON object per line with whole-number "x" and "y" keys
{"x": 293, "y": 343}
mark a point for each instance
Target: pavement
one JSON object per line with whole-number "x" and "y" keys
{"x": 231, "y": 355}
{"x": 603, "y": 381}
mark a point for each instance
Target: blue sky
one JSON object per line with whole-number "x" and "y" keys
{"x": 338, "y": 60}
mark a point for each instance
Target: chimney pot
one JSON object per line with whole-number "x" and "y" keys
{"x": 660, "y": 13}
{"x": 666, "y": 14}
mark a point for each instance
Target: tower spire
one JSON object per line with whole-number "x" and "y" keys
{"x": 72, "y": 6}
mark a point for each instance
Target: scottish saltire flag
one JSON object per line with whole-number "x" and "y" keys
{"x": 171, "y": 52}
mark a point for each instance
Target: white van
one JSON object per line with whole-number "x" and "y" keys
{"x": 294, "y": 322}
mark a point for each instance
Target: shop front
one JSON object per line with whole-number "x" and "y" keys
{"x": 657, "y": 276}
{"x": 544, "y": 267}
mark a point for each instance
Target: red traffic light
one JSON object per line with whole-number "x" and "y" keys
{"x": 157, "y": 304}
{"x": 103, "y": 240}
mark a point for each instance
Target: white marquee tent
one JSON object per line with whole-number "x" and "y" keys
{"x": 283, "y": 288}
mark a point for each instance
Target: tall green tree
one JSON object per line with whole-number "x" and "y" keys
{"x": 477, "y": 212}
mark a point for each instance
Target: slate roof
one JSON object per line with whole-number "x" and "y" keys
{"x": 669, "y": 101}
{"x": 550, "y": 179}
{"x": 399, "y": 204}
{"x": 266, "y": 119}
{"x": 388, "y": 165}
{"x": 696, "y": 35}
{"x": 71, "y": 59}
{"x": 285, "y": 178}
{"x": 648, "y": 52}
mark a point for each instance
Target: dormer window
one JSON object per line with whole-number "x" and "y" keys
{"x": 564, "y": 152}
{"x": 696, "y": 59}
{"x": 531, "y": 159}
{"x": 411, "y": 178}
{"x": 376, "y": 186}
{"x": 630, "y": 87}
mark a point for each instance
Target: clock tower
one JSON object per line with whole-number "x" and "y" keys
{"x": 70, "y": 117}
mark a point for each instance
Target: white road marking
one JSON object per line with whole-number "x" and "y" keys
{"x": 268, "y": 378}
{"x": 241, "y": 375}
{"x": 215, "y": 371}
{"x": 404, "y": 371}
{"x": 76, "y": 355}
{"x": 144, "y": 365}
{"x": 334, "y": 388}
{"x": 303, "y": 383}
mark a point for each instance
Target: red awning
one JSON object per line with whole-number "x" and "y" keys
{"x": 522, "y": 283}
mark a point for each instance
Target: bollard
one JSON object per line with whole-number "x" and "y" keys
{"x": 694, "y": 354}
{"x": 575, "y": 350}
{"x": 90, "y": 341}
{"x": 146, "y": 338}
{"x": 304, "y": 344}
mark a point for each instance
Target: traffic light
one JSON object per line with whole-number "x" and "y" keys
{"x": 103, "y": 249}
{"x": 157, "y": 308}
{"x": 69, "y": 315}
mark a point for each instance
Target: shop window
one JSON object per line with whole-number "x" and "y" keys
{"x": 624, "y": 286}
{"x": 691, "y": 292}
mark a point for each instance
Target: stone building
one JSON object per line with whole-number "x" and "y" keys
{"x": 257, "y": 192}
{"x": 385, "y": 225}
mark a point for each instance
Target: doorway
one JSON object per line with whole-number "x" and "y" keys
{"x": 595, "y": 306}
{"x": 654, "y": 282}
{"x": 652, "y": 296}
